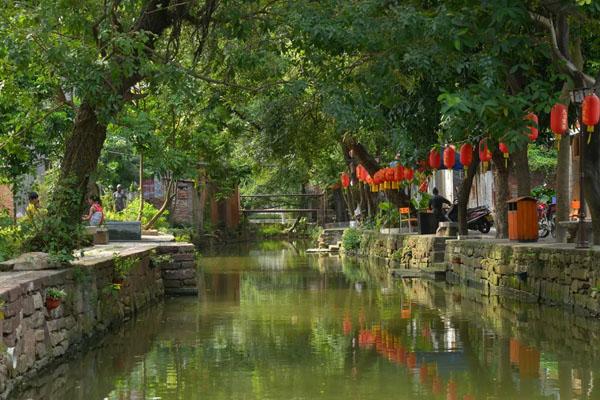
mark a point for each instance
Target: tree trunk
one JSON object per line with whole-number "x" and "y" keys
{"x": 563, "y": 189}
{"x": 464, "y": 192}
{"x": 166, "y": 203}
{"x": 591, "y": 182}
{"x": 501, "y": 194}
{"x": 85, "y": 143}
{"x": 79, "y": 162}
{"x": 141, "y": 187}
{"x": 521, "y": 171}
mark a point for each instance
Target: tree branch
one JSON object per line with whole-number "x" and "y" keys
{"x": 569, "y": 67}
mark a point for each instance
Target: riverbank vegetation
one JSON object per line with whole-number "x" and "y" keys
{"x": 279, "y": 96}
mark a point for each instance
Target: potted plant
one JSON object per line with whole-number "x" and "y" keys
{"x": 54, "y": 297}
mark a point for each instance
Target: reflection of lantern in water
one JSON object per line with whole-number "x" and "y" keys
{"x": 514, "y": 351}
{"x": 411, "y": 360}
{"x": 347, "y": 325}
{"x": 423, "y": 374}
{"x": 436, "y": 386}
{"x": 529, "y": 362}
{"x": 405, "y": 313}
{"x": 451, "y": 393}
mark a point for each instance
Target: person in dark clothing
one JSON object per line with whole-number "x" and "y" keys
{"x": 436, "y": 204}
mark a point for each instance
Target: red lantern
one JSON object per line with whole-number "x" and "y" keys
{"x": 345, "y": 180}
{"x": 398, "y": 173}
{"x": 559, "y": 122}
{"x": 359, "y": 173}
{"x": 422, "y": 166}
{"x": 449, "y": 157}
{"x": 389, "y": 174}
{"x": 590, "y": 111}
{"x": 389, "y": 177}
{"x": 435, "y": 160}
{"x": 533, "y": 130}
{"x": 466, "y": 155}
{"x": 504, "y": 149}
{"x": 424, "y": 186}
{"x": 409, "y": 174}
{"x": 485, "y": 155}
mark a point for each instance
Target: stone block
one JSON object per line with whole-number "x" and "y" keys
{"x": 183, "y": 257}
{"x": 179, "y": 274}
{"x": 28, "y": 306}
{"x": 580, "y": 273}
{"x": 124, "y": 230}
{"x": 38, "y": 302}
{"x": 40, "y": 350}
{"x": 28, "y": 262}
{"x": 172, "y": 283}
{"x": 13, "y": 308}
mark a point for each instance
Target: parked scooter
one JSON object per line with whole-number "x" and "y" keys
{"x": 478, "y": 218}
{"x": 546, "y": 220}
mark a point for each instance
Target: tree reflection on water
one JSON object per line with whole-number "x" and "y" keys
{"x": 274, "y": 323}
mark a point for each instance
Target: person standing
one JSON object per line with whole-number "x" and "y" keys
{"x": 119, "y": 198}
{"x": 436, "y": 204}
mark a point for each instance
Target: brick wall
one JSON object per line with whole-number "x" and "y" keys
{"x": 6, "y": 199}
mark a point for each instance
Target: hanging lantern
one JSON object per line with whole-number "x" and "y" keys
{"x": 533, "y": 130}
{"x": 559, "y": 121}
{"x": 485, "y": 155}
{"x": 504, "y": 150}
{"x": 359, "y": 173}
{"x": 422, "y": 166}
{"x": 345, "y": 180}
{"x": 409, "y": 173}
{"x": 466, "y": 154}
{"x": 590, "y": 113}
{"x": 398, "y": 175}
{"x": 449, "y": 157}
{"x": 389, "y": 177}
{"x": 435, "y": 159}
{"x": 424, "y": 186}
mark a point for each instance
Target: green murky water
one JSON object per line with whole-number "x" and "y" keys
{"x": 273, "y": 323}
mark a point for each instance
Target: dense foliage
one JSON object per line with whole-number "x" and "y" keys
{"x": 272, "y": 94}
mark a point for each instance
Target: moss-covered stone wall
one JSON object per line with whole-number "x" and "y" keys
{"x": 35, "y": 337}
{"x": 403, "y": 250}
{"x": 553, "y": 274}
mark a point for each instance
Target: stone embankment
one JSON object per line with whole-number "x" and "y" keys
{"x": 35, "y": 337}
{"x": 555, "y": 274}
{"x": 550, "y": 273}
{"x": 423, "y": 253}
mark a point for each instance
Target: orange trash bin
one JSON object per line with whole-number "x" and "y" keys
{"x": 523, "y": 219}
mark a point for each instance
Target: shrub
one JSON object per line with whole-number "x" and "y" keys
{"x": 388, "y": 215}
{"x": 130, "y": 213}
{"x": 271, "y": 230}
{"x": 123, "y": 265}
{"x": 351, "y": 239}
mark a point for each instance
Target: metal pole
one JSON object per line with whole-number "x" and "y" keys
{"x": 582, "y": 242}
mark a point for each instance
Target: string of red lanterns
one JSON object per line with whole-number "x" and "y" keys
{"x": 391, "y": 177}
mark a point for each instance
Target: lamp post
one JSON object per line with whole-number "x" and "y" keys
{"x": 577, "y": 97}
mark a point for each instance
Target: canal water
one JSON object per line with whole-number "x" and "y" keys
{"x": 274, "y": 323}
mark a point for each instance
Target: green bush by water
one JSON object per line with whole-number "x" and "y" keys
{"x": 130, "y": 213}
{"x": 271, "y": 230}
{"x": 351, "y": 239}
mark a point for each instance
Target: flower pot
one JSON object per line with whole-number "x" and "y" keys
{"x": 51, "y": 303}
